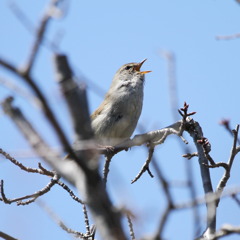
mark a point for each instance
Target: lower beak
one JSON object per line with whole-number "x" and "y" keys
{"x": 144, "y": 72}
{"x": 139, "y": 65}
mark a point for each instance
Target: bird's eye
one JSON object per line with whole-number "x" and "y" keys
{"x": 128, "y": 67}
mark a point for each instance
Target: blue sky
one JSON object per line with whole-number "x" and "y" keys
{"x": 99, "y": 37}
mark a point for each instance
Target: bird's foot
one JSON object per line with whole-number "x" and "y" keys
{"x": 106, "y": 149}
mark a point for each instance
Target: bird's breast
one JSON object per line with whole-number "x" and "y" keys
{"x": 120, "y": 113}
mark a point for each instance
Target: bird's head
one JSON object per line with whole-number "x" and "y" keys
{"x": 128, "y": 72}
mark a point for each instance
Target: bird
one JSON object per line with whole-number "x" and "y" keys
{"x": 116, "y": 118}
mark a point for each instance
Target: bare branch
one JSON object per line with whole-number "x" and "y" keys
{"x": 106, "y": 168}
{"x": 31, "y": 197}
{"x": 163, "y": 221}
{"x": 107, "y": 221}
{"x": 86, "y": 219}
{"x": 49, "y": 13}
{"x": 76, "y": 98}
{"x": 44, "y": 104}
{"x": 131, "y": 227}
{"x": 65, "y": 187}
{"x": 195, "y": 131}
{"x": 41, "y": 170}
{"x": 190, "y": 155}
{"x": 62, "y": 225}
{"x": 225, "y": 230}
{"x": 154, "y": 137}
{"x": 19, "y": 91}
{"x": 238, "y": 149}
{"x": 37, "y": 143}
{"x": 172, "y": 83}
{"x": 228, "y": 37}
{"x": 223, "y": 181}
{"x": 234, "y": 196}
{"x": 86, "y": 179}
{"x": 145, "y": 166}
{"x": 206, "y": 148}
{"x": 167, "y": 193}
{"x": 208, "y": 198}
{"x": 216, "y": 165}
{"x": 6, "y": 236}
{"x": 226, "y": 124}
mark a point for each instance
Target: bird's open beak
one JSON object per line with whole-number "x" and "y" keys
{"x": 144, "y": 72}
{"x": 139, "y": 65}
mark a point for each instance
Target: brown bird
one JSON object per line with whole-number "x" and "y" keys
{"x": 116, "y": 118}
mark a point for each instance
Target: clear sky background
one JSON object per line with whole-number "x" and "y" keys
{"x": 99, "y": 37}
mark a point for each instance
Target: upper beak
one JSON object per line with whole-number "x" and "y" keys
{"x": 139, "y": 65}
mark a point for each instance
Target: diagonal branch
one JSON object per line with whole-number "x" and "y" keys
{"x": 41, "y": 170}
{"x": 223, "y": 181}
{"x": 85, "y": 236}
{"x": 6, "y": 236}
{"x": 44, "y": 104}
{"x": 90, "y": 182}
{"x": 87, "y": 180}
{"x": 48, "y": 14}
{"x": 195, "y": 131}
{"x": 25, "y": 75}
{"x": 76, "y": 98}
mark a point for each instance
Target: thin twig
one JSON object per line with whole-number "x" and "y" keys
{"x": 207, "y": 199}
{"x": 228, "y": 37}
{"x": 130, "y": 225}
{"x": 60, "y": 222}
{"x": 41, "y": 170}
{"x": 226, "y": 124}
{"x": 65, "y": 187}
{"x": 190, "y": 155}
{"x": 31, "y": 197}
{"x": 225, "y": 230}
{"x": 223, "y": 181}
{"x": 173, "y": 94}
{"x": 45, "y": 106}
{"x": 7, "y": 83}
{"x": 216, "y": 165}
{"x": 86, "y": 219}
{"x": 234, "y": 196}
{"x": 37, "y": 43}
{"x": 6, "y": 236}
{"x": 145, "y": 166}
{"x": 206, "y": 148}
{"x": 172, "y": 82}
{"x": 106, "y": 168}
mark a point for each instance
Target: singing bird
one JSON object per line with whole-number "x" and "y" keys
{"x": 116, "y": 118}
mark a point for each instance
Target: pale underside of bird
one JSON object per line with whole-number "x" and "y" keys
{"x": 116, "y": 118}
